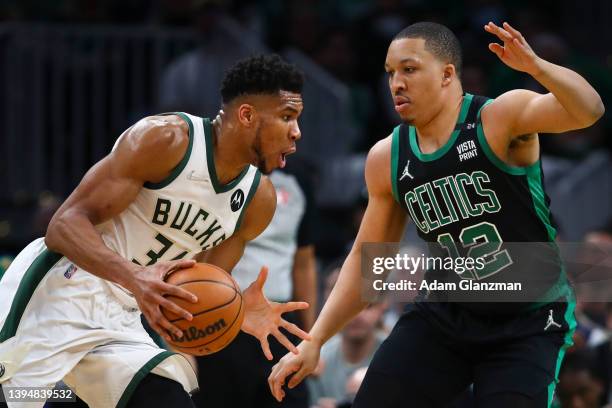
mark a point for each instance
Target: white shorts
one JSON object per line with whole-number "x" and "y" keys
{"x": 58, "y": 321}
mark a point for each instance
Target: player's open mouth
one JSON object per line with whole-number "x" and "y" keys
{"x": 283, "y": 157}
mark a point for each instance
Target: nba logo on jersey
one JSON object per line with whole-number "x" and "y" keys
{"x": 70, "y": 271}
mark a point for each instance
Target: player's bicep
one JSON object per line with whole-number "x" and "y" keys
{"x": 520, "y": 112}
{"x": 544, "y": 114}
{"x": 383, "y": 221}
{"x": 148, "y": 151}
{"x": 102, "y": 193}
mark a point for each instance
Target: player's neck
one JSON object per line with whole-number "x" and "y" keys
{"x": 435, "y": 132}
{"x": 229, "y": 160}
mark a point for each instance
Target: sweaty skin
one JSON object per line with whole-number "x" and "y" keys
{"x": 148, "y": 152}
{"x": 427, "y": 94}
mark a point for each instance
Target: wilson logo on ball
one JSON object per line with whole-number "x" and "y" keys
{"x": 193, "y": 333}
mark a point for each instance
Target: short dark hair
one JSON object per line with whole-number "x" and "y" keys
{"x": 439, "y": 40}
{"x": 261, "y": 74}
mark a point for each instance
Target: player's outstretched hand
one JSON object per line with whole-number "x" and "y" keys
{"x": 149, "y": 288}
{"x": 300, "y": 365}
{"x": 262, "y": 317}
{"x": 515, "y": 52}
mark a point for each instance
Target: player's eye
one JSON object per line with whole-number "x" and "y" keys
{"x": 409, "y": 70}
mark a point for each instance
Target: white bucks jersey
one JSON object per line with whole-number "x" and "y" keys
{"x": 188, "y": 212}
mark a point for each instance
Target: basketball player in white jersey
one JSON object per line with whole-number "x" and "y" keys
{"x": 175, "y": 187}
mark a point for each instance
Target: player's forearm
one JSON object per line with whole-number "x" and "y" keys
{"x": 344, "y": 302}
{"x": 308, "y": 295}
{"x": 305, "y": 290}
{"x": 305, "y": 284}
{"x": 573, "y": 92}
{"x": 74, "y": 236}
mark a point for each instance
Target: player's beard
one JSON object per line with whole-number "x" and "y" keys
{"x": 257, "y": 148}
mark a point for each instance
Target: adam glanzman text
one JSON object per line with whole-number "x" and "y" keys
{"x": 459, "y": 265}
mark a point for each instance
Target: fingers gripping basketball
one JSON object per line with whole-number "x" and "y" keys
{"x": 217, "y": 316}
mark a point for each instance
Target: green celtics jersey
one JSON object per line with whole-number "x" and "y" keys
{"x": 465, "y": 202}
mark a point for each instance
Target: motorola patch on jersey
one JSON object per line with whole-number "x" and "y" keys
{"x": 237, "y": 200}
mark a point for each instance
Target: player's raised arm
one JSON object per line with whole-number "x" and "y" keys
{"x": 571, "y": 104}
{"x": 384, "y": 221}
{"x": 148, "y": 151}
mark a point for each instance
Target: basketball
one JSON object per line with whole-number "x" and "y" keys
{"x": 217, "y": 316}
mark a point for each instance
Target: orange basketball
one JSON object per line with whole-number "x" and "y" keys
{"x": 217, "y": 316}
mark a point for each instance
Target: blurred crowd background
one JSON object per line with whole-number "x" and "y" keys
{"x": 75, "y": 73}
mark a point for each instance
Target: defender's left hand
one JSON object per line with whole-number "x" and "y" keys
{"x": 262, "y": 317}
{"x": 515, "y": 52}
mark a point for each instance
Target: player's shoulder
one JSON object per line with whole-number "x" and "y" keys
{"x": 379, "y": 156}
{"x": 515, "y": 95}
{"x": 265, "y": 193}
{"x": 153, "y": 146}
{"x": 501, "y": 116}
{"x": 168, "y": 129}
{"x": 378, "y": 166}
{"x": 381, "y": 149}
{"x": 162, "y": 135}
{"x": 508, "y": 102}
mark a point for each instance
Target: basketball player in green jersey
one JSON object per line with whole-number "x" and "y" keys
{"x": 175, "y": 187}
{"x": 466, "y": 170}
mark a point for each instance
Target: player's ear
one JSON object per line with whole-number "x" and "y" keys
{"x": 247, "y": 114}
{"x": 447, "y": 74}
